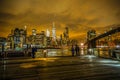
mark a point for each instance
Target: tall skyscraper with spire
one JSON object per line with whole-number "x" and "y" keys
{"x": 25, "y": 27}
{"x": 54, "y": 31}
{"x": 47, "y": 33}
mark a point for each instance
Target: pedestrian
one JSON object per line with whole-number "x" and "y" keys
{"x": 73, "y": 50}
{"x": 77, "y": 50}
{"x": 33, "y": 52}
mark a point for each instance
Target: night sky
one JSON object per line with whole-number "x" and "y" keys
{"x": 79, "y": 15}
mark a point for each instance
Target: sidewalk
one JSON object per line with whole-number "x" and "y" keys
{"x": 57, "y": 67}
{"x": 18, "y": 60}
{"x": 56, "y": 59}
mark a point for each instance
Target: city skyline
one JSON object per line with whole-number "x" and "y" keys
{"x": 78, "y": 15}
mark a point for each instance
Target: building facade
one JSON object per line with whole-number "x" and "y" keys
{"x": 17, "y": 38}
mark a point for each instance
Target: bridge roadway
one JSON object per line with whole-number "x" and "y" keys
{"x": 86, "y": 67}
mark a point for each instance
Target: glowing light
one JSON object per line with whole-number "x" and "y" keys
{"x": 90, "y": 50}
{"x": 117, "y": 46}
{"x": 81, "y": 44}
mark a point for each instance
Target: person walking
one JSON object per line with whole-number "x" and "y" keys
{"x": 77, "y": 50}
{"x": 73, "y": 50}
{"x": 33, "y": 52}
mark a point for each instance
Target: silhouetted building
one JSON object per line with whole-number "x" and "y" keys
{"x": 66, "y": 36}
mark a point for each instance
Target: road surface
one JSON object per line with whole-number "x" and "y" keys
{"x": 86, "y": 67}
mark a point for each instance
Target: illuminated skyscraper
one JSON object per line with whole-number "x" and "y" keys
{"x": 17, "y": 38}
{"x": 25, "y": 33}
{"x": 54, "y": 32}
{"x": 25, "y": 27}
{"x": 33, "y": 31}
{"x": 47, "y": 33}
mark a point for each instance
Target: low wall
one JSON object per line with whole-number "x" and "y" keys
{"x": 52, "y": 52}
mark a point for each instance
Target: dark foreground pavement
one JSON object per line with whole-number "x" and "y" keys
{"x": 85, "y": 67}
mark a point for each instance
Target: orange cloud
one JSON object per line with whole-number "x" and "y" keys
{"x": 78, "y": 15}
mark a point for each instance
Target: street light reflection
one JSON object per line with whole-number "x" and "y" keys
{"x": 113, "y": 65}
{"x": 108, "y": 61}
{"x": 90, "y": 56}
{"x": 82, "y": 51}
{"x": 49, "y": 59}
{"x": 27, "y": 65}
{"x": 31, "y": 65}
